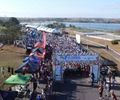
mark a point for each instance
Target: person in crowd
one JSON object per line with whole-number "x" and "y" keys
{"x": 1, "y": 98}
{"x": 108, "y": 88}
{"x": 34, "y": 81}
{"x": 107, "y": 47}
{"x": 103, "y": 79}
{"x": 100, "y": 90}
{"x": 92, "y": 78}
{"x": 113, "y": 80}
{"x": 10, "y": 89}
{"x": 43, "y": 95}
{"x": 35, "y": 85}
{"x": 109, "y": 75}
{"x": 33, "y": 95}
{"x": 114, "y": 97}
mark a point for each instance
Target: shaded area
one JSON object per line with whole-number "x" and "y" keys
{"x": 116, "y": 87}
{"x": 107, "y": 62}
{"x": 75, "y": 89}
{"x": 63, "y": 91}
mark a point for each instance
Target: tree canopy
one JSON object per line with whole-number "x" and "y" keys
{"x": 13, "y": 21}
{"x": 56, "y": 25}
{"x": 11, "y": 30}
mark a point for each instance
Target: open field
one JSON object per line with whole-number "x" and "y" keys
{"x": 11, "y": 56}
{"x": 105, "y": 42}
{"x": 104, "y": 53}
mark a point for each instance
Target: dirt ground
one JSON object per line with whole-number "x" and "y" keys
{"x": 11, "y": 56}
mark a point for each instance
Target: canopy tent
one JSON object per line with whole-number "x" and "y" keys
{"x": 33, "y": 59}
{"x": 28, "y": 67}
{"x": 42, "y": 56}
{"x": 8, "y": 95}
{"x": 18, "y": 79}
{"x": 40, "y": 50}
{"x": 38, "y": 54}
{"x": 39, "y": 45}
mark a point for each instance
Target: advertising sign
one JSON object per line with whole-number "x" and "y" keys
{"x": 76, "y": 58}
{"x": 58, "y": 73}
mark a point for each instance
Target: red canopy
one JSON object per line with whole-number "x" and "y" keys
{"x": 43, "y": 44}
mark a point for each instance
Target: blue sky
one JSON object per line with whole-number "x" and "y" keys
{"x": 60, "y": 8}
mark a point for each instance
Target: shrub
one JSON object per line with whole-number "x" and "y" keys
{"x": 114, "y": 42}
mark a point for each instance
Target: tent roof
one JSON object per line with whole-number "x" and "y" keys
{"x": 18, "y": 79}
{"x": 28, "y": 67}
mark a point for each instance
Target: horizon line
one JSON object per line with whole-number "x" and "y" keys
{"x": 63, "y": 17}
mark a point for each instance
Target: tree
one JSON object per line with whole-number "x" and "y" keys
{"x": 1, "y": 22}
{"x": 13, "y": 21}
{"x": 56, "y": 25}
{"x": 12, "y": 30}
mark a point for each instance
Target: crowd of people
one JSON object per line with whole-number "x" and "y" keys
{"x": 44, "y": 75}
{"x": 65, "y": 45}
{"x": 107, "y": 86}
{"x": 31, "y": 38}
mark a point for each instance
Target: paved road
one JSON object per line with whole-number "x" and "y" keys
{"x": 79, "y": 89}
{"x": 75, "y": 89}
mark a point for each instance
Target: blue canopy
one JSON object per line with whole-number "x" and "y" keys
{"x": 25, "y": 59}
{"x": 40, "y": 50}
{"x": 32, "y": 58}
{"x": 28, "y": 67}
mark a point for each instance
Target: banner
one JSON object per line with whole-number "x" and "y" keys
{"x": 44, "y": 39}
{"x": 75, "y": 58}
{"x": 95, "y": 69}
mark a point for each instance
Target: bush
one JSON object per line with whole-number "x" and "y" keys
{"x": 114, "y": 42}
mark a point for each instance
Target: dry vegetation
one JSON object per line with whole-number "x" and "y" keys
{"x": 11, "y": 56}
{"x": 105, "y": 54}
{"x": 101, "y": 41}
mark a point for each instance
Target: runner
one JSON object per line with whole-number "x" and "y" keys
{"x": 100, "y": 90}
{"x": 113, "y": 96}
{"x": 92, "y": 78}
